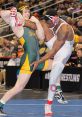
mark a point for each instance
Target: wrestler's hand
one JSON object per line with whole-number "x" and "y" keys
{"x": 13, "y": 15}
{"x": 39, "y": 31}
{"x": 35, "y": 65}
{"x": 0, "y": 12}
{"x": 34, "y": 19}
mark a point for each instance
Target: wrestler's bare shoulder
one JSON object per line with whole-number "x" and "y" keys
{"x": 43, "y": 22}
{"x": 66, "y": 29}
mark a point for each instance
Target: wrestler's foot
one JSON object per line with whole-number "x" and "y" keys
{"x": 2, "y": 113}
{"x": 60, "y": 97}
{"x": 13, "y": 12}
{"x": 13, "y": 17}
{"x": 48, "y": 111}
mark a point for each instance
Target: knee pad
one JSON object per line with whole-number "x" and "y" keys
{"x": 52, "y": 87}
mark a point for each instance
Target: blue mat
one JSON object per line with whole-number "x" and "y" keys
{"x": 35, "y": 108}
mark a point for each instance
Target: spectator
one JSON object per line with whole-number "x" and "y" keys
{"x": 14, "y": 61}
{"x": 20, "y": 51}
{"x": 79, "y": 57}
{"x": 2, "y": 77}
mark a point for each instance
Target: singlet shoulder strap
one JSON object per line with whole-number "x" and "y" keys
{"x": 60, "y": 26}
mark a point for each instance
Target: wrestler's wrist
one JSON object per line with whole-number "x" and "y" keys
{"x": 34, "y": 19}
{"x": 26, "y": 22}
{"x": 40, "y": 61}
{"x": 0, "y": 13}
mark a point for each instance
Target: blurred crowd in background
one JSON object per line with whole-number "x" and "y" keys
{"x": 69, "y": 10}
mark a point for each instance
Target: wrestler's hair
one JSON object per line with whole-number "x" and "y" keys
{"x": 50, "y": 12}
{"x": 80, "y": 49}
{"x": 37, "y": 10}
{"x": 22, "y": 8}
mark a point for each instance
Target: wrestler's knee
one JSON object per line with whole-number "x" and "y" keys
{"x": 52, "y": 87}
{"x": 55, "y": 72}
{"x": 58, "y": 65}
{"x": 18, "y": 88}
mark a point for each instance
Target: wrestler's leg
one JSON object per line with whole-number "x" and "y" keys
{"x": 19, "y": 86}
{"x": 59, "y": 62}
{"x": 59, "y": 94}
{"x": 55, "y": 73}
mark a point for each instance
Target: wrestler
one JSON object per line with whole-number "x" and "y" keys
{"x": 59, "y": 39}
{"x": 41, "y": 36}
{"x": 27, "y": 38}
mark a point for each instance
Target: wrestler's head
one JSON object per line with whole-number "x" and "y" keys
{"x": 51, "y": 17}
{"x": 25, "y": 12}
{"x": 37, "y": 12}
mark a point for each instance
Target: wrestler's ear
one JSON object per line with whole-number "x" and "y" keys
{"x": 45, "y": 18}
{"x": 53, "y": 19}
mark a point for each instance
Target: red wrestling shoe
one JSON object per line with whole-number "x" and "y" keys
{"x": 48, "y": 111}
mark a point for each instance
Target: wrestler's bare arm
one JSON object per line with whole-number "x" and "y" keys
{"x": 48, "y": 32}
{"x": 30, "y": 24}
{"x": 35, "y": 24}
{"x": 4, "y": 14}
{"x": 0, "y": 12}
{"x": 62, "y": 37}
{"x": 80, "y": 39}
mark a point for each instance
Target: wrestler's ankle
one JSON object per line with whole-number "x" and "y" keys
{"x": 2, "y": 103}
{"x": 49, "y": 102}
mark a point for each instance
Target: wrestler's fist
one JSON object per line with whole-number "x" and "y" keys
{"x": 39, "y": 32}
{"x": 34, "y": 19}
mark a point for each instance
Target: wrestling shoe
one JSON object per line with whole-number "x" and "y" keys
{"x": 2, "y": 113}
{"x": 60, "y": 97}
{"x": 48, "y": 111}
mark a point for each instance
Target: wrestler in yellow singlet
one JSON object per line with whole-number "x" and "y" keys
{"x": 31, "y": 52}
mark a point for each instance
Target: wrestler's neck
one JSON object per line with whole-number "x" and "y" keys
{"x": 57, "y": 24}
{"x": 52, "y": 30}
